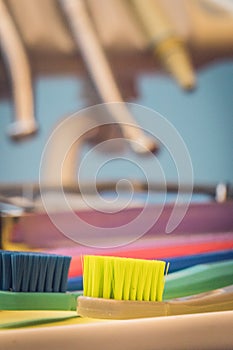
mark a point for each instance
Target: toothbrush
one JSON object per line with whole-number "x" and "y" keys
{"x": 121, "y": 288}
{"x": 35, "y": 281}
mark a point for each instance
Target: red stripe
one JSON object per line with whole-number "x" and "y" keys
{"x": 155, "y": 253}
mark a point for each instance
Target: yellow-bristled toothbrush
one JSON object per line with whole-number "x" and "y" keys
{"x": 123, "y": 288}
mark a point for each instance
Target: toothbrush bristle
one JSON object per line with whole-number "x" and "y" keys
{"x": 123, "y": 278}
{"x": 33, "y": 272}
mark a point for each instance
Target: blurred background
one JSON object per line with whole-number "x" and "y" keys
{"x": 58, "y": 57}
{"x": 62, "y": 80}
{"x": 204, "y": 119}
{"x": 167, "y": 58}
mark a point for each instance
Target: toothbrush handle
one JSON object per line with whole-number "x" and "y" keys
{"x": 216, "y": 300}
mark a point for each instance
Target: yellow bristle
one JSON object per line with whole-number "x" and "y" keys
{"x": 160, "y": 285}
{"x": 118, "y": 278}
{"x": 154, "y": 277}
{"x": 123, "y": 278}
{"x": 107, "y": 280}
{"x": 127, "y": 282}
{"x": 148, "y": 280}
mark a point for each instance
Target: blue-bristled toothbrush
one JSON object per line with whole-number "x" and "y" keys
{"x": 35, "y": 281}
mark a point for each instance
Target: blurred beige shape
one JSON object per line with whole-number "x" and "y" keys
{"x": 19, "y": 67}
{"x": 97, "y": 30}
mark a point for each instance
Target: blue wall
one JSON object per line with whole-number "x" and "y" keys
{"x": 204, "y": 119}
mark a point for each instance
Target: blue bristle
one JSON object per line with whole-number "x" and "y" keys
{"x": 6, "y": 270}
{"x": 26, "y": 280}
{"x": 35, "y": 269}
{"x": 17, "y": 271}
{"x": 50, "y": 275}
{"x": 0, "y": 271}
{"x": 43, "y": 265}
{"x": 58, "y": 273}
{"x": 33, "y": 272}
{"x": 64, "y": 275}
